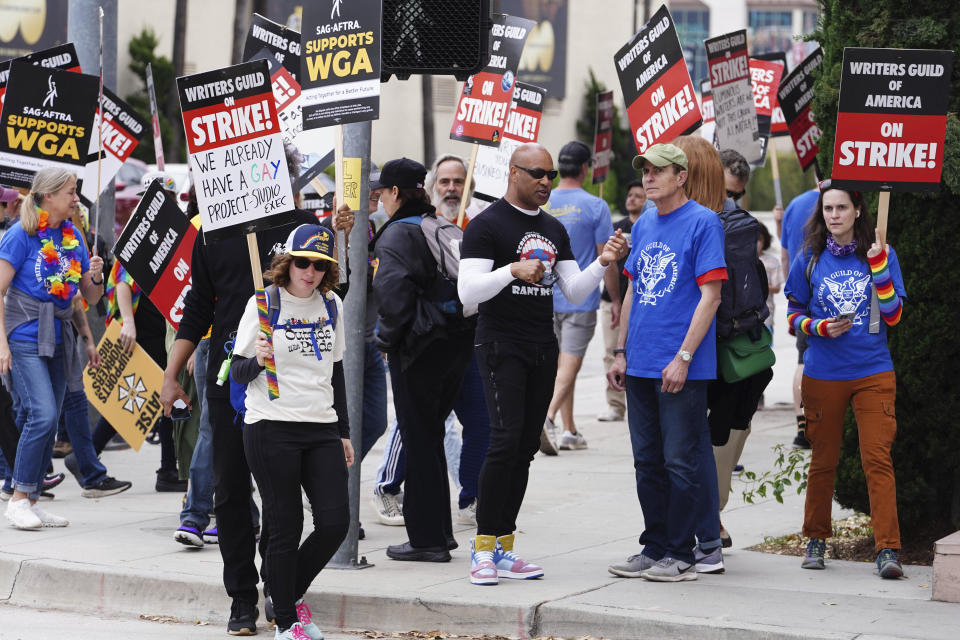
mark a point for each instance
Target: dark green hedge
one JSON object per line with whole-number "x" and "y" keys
{"x": 925, "y": 232}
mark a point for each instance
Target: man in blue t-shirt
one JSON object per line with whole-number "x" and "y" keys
{"x": 587, "y": 221}
{"x": 665, "y": 358}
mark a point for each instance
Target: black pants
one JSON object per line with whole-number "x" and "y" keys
{"x": 518, "y": 383}
{"x": 232, "y": 488}
{"x": 423, "y": 397}
{"x": 9, "y": 434}
{"x": 283, "y": 457}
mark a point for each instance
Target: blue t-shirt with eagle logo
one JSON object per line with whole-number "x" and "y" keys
{"x": 670, "y": 252}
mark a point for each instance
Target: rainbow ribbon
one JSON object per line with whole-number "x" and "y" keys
{"x": 263, "y": 313}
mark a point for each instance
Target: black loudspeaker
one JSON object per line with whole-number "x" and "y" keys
{"x": 437, "y": 37}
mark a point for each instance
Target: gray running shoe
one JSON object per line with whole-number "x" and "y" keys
{"x": 709, "y": 561}
{"x": 816, "y": 550}
{"x": 548, "y": 438}
{"x": 670, "y": 570}
{"x": 888, "y": 565}
{"x": 632, "y": 567}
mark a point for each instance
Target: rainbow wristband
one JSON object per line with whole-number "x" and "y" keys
{"x": 808, "y": 325}
{"x": 890, "y": 304}
{"x": 270, "y": 364}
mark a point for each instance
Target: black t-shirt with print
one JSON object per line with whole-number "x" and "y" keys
{"x": 521, "y": 312}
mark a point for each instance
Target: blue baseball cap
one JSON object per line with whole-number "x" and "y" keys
{"x": 311, "y": 241}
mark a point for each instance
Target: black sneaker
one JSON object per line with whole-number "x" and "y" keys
{"x": 801, "y": 442}
{"x": 52, "y": 480}
{"x": 888, "y": 565}
{"x": 168, "y": 481}
{"x": 243, "y": 619}
{"x": 106, "y": 487}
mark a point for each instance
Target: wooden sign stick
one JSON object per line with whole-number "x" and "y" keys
{"x": 465, "y": 198}
{"x": 775, "y": 169}
{"x": 883, "y": 209}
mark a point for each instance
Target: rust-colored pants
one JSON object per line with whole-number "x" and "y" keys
{"x": 825, "y": 405}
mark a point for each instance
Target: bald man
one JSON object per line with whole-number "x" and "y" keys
{"x": 512, "y": 255}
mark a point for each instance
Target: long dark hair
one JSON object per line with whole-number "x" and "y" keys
{"x": 815, "y": 230}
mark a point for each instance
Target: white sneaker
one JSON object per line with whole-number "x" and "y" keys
{"x": 468, "y": 515}
{"x": 47, "y": 518}
{"x": 296, "y": 632}
{"x": 572, "y": 441}
{"x": 388, "y": 510}
{"x": 21, "y": 516}
{"x": 611, "y": 415}
{"x": 548, "y": 438}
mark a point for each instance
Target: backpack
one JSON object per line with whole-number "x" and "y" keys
{"x": 238, "y": 391}
{"x": 743, "y": 302}
{"x": 444, "y": 240}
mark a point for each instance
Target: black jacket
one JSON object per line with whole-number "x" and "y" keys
{"x": 410, "y": 289}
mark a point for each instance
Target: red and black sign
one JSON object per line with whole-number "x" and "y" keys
{"x": 122, "y": 130}
{"x": 155, "y": 248}
{"x": 892, "y": 119}
{"x": 708, "y": 131}
{"x": 283, "y": 43}
{"x": 795, "y": 94}
{"x": 733, "y": 108}
{"x": 484, "y": 103}
{"x": 603, "y": 137}
{"x": 765, "y": 77}
{"x": 656, "y": 84}
{"x": 778, "y": 125}
{"x": 46, "y": 121}
{"x": 62, "y": 56}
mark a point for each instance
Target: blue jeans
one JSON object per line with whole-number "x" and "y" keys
{"x": 77, "y": 423}
{"x": 40, "y": 384}
{"x": 374, "y": 398}
{"x": 671, "y": 443}
{"x": 199, "y": 501}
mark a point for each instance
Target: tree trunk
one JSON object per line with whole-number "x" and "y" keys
{"x": 429, "y": 137}
{"x": 173, "y": 99}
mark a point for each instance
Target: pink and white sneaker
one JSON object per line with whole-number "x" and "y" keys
{"x": 295, "y": 632}
{"x": 305, "y": 617}
{"x": 483, "y": 570}
{"x": 510, "y": 565}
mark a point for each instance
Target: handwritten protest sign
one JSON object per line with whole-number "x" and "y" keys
{"x": 484, "y": 104}
{"x": 892, "y": 119}
{"x": 603, "y": 137}
{"x": 733, "y": 99}
{"x": 795, "y": 94}
{"x": 125, "y": 388}
{"x": 656, "y": 83}
{"x": 281, "y": 42}
{"x": 62, "y": 56}
{"x": 122, "y": 129}
{"x": 236, "y": 150}
{"x": 47, "y": 120}
{"x": 492, "y": 169}
{"x": 155, "y": 248}
{"x": 340, "y": 63}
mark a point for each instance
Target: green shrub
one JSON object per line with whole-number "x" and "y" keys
{"x": 142, "y": 51}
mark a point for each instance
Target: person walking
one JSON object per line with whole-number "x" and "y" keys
{"x": 847, "y": 363}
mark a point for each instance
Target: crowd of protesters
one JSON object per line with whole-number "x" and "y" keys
{"x": 454, "y": 351}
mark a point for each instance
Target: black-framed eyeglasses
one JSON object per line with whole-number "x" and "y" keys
{"x": 537, "y": 174}
{"x": 735, "y": 195}
{"x": 302, "y": 263}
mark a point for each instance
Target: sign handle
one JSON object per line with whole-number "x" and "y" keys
{"x": 883, "y": 209}
{"x": 263, "y": 315}
{"x": 465, "y": 198}
{"x": 95, "y": 223}
{"x": 600, "y": 190}
{"x": 341, "y": 236}
{"x": 775, "y": 169}
{"x": 155, "y": 119}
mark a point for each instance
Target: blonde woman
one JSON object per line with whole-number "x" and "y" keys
{"x": 43, "y": 262}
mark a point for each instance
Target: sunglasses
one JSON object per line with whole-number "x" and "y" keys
{"x": 538, "y": 174}
{"x": 735, "y": 195}
{"x": 302, "y": 263}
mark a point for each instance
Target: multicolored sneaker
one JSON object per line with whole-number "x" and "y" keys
{"x": 210, "y": 536}
{"x": 888, "y": 565}
{"x": 814, "y": 558}
{"x": 483, "y": 570}
{"x": 189, "y": 534}
{"x": 510, "y": 565}
{"x": 295, "y": 632}
{"x": 305, "y": 618}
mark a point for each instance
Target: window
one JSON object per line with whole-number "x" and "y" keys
{"x": 693, "y": 27}
{"x": 769, "y": 31}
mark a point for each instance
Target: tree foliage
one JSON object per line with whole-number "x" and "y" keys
{"x": 923, "y": 229}
{"x": 142, "y": 49}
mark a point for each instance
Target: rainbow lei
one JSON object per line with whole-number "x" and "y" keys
{"x": 59, "y": 286}
{"x": 270, "y": 364}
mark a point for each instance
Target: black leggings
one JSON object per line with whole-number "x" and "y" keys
{"x": 284, "y": 456}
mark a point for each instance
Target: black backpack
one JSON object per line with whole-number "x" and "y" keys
{"x": 743, "y": 303}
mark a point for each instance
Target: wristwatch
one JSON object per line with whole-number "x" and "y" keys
{"x": 686, "y": 356}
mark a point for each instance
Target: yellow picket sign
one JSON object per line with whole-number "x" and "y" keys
{"x": 125, "y": 388}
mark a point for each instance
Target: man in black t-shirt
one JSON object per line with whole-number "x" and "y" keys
{"x": 512, "y": 255}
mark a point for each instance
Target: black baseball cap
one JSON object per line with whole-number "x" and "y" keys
{"x": 402, "y": 172}
{"x": 574, "y": 153}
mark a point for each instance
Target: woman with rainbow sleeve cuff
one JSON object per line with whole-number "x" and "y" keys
{"x": 847, "y": 363}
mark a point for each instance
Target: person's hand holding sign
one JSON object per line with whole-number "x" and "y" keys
{"x": 877, "y": 247}
{"x": 263, "y": 349}
{"x": 128, "y": 336}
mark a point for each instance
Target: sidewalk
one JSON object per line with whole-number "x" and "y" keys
{"x": 580, "y": 515}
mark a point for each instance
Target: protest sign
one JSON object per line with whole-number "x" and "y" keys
{"x": 778, "y": 125}
{"x": 795, "y": 94}
{"x": 708, "y": 130}
{"x": 492, "y": 169}
{"x": 62, "y": 56}
{"x": 733, "y": 110}
{"x": 155, "y": 248}
{"x": 122, "y": 129}
{"x": 892, "y": 119}
{"x": 603, "y": 137}
{"x": 47, "y": 120}
{"x": 765, "y": 80}
{"x": 340, "y": 63}
{"x": 281, "y": 42}
{"x": 125, "y": 388}
{"x": 656, "y": 84}
{"x": 236, "y": 151}
{"x": 484, "y": 104}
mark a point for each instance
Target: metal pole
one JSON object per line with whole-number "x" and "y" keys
{"x": 356, "y": 144}
{"x": 83, "y": 29}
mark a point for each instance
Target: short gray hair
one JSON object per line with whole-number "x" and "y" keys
{"x": 431, "y": 181}
{"x": 736, "y": 164}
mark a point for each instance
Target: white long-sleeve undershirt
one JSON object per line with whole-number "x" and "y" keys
{"x": 478, "y": 282}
